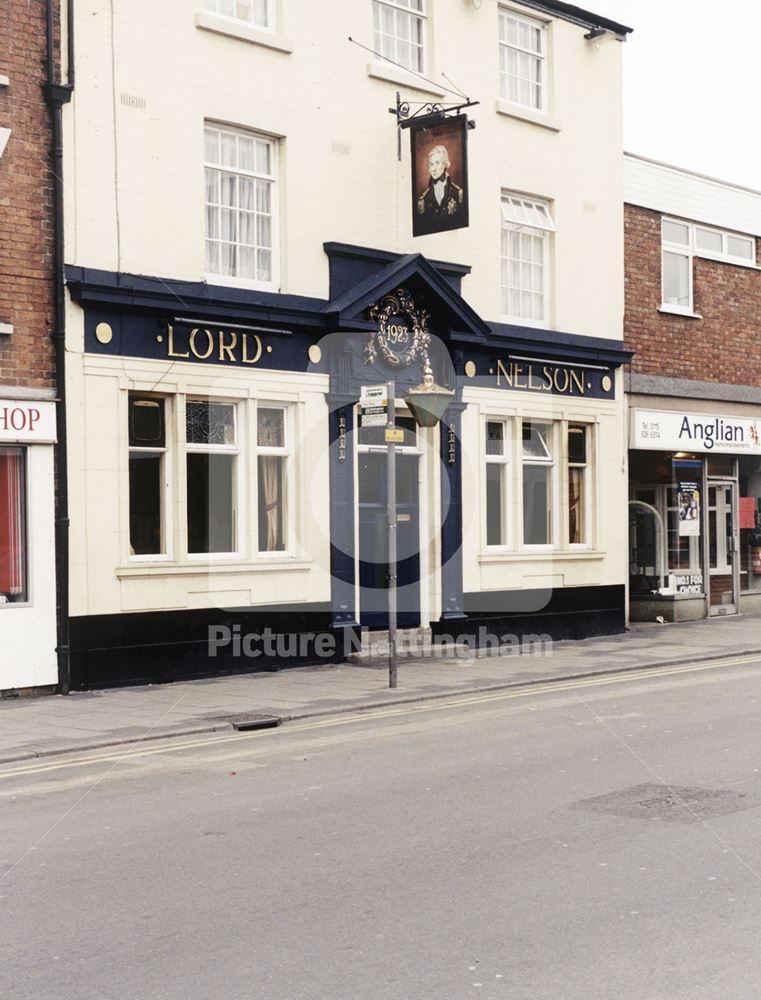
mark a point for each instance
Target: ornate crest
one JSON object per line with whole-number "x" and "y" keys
{"x": 402, "y": 335}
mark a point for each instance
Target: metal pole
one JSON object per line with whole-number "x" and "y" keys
{"x": 391, "y": 516}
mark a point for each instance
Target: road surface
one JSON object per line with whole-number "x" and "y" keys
{"x": 588, "y": 840}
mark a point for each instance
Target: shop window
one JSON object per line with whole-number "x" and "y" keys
{"x": 211, "y": 476}
{"x": 240, "y": 205}
{"x": 578, "y": 488}
{"x": 497, "y": 483}
{"x": 522, "y": 60}
{"x": 527, "y": 226}
{"x": 399, "y": 32}
{"x": 538, "y": 485}
{"x": 272, "y": 446}
{"x": 13, "y": 544}
{"x": 147, "y": 476}
{"x": 254, "y": 12}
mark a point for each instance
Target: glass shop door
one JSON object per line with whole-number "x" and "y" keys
{"x": 723, "y": 548}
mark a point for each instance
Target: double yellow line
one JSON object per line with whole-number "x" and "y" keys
{"x": 370, "y": 715}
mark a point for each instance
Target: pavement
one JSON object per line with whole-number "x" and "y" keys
{"x": 41, "y": 726}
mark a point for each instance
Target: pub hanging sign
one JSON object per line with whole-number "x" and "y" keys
{"x": 439, "y": 154}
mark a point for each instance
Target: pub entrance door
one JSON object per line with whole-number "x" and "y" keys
{"x": 373, "y": 527}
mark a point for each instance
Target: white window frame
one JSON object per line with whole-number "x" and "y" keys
{"x": 504, "y": 461}
{"x": 526, "y": 215}
{"x": 401, "y": 9}
{"x": 215, "y": 7}
{"x": 587, "y": 496}
{"x": 690, "y": 249}
{"x": 538, "y": 59}
{"x": 238, "y": 450}
{"x": 552, "y": 463}
{"x": 287, "y": 452}
{"x": 166, "y": 470}
{"x": 215, "y": 277}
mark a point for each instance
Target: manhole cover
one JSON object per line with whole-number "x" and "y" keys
{"x": 671, "y": 803}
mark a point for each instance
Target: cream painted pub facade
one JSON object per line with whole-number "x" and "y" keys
{"x": 240, "y": 263}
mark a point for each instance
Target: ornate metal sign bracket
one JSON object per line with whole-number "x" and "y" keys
{"x": 409, "y": 113}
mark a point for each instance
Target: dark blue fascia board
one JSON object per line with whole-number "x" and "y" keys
{"x": 90, "y": 286}
{"x": 94, "y": 287}
{"x": 576, "y": 15}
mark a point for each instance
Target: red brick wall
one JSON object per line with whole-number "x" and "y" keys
{"x": 26, "y": 200}
{"x": 723, "y": 346}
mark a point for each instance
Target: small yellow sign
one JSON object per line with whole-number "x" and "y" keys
{"x": 394, "y": 435}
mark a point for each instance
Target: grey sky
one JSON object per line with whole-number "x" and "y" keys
{"x": 691, "y": 72}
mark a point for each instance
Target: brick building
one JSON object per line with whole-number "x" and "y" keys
{"x": 27, "y": 352}
{"x": 693, "y": 318}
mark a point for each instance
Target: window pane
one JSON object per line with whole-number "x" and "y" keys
{"x": 211, "y": 502}
{"x": 146, "y": 490}
{"x": 495, "y": 438}
{"x": 494, "y": 504}
{"x": 536, "y": 505}
{"x": 738, "y": 246}
{"x": 676, "y": 279}
{"x": 577, "y": 445}
{"x": 706, "y": 239}
{"x": 209, "y": 423}
{"x": 676, "y": 232}
{"x": 13, "y": 585}
{"x": 576, "y": 508}
{"x": 536, "y": 440}
{"x": 146, "y": 422}
{"x": 270, "y": 428}
{"x": 272, "y": 503}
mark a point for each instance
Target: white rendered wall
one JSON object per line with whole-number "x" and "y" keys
{"x": 28, "y": 631}
{"x": 135, "y": 202}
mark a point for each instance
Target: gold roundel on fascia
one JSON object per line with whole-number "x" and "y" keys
{"x": 470, "y": 369}
{"x": 103, "y": 333}
{"x": 607, "y": 383}
{"x": 315, "y": 354}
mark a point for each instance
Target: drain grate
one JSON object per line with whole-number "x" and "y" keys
{"x": 671, "y": 803}
{"x": 249, "y": 723}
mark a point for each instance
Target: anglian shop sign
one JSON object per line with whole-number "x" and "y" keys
{"x": 658, "y": 430}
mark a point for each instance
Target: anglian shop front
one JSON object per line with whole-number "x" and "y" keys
{"x": 695, "y": 509}
{"x": 229, "y": 509}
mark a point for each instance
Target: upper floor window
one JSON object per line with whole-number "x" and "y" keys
{"x": 398, "y": 32}
{"x": 526, "y": 229}
{"x": 522, "y": 60}
{"x": 254, "y": 12}
{"x": 240, "y": 202}
{"x": 681, "y": 242}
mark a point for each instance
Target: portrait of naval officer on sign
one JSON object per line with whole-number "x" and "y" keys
{"x": 439, "y": 183}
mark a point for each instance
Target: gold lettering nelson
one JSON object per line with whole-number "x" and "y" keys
{"x": 531, "y": 377}
{"x": 205, "y": 343}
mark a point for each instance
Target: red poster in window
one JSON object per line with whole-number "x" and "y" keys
{"x": 11, "y": 523}
{"x": 747, "y": 512}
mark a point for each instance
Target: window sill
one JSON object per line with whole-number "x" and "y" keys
{"x": 528, "y": 115}
{"x": 247, "y": 33}
{"x": 393, "y": 74}
{"x": 230, "y": 282}
{"x": 555, "y": 555}
{"x": 538, "y": 324}
{"x": 676, "y": 311}
{"x": 154, "y": 569}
